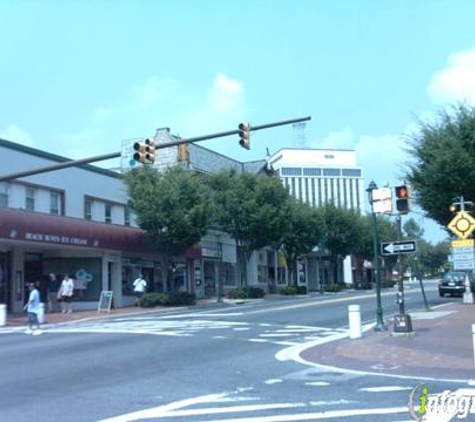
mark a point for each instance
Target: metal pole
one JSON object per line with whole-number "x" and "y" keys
{"x": 380, "y": 326}
{"x": 426, "y": 304}
{"x": 179, "y": 141}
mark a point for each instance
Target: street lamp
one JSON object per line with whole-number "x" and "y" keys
{"x": 380, "y": 326}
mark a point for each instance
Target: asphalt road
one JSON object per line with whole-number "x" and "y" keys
{"x": 202, "y": 364}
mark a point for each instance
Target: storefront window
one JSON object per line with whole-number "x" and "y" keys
{"x": 229, "y": 274}
{"x": 85, "y": 272}
{"x": 130, "y": 271}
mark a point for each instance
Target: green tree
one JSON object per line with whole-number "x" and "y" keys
{"x": 171, "y": 207}
{"x": 253, "y": 209}
{"x": 305, "y": 232}
{"x": 343, "y": 231}
{"x": 443, "y": 162}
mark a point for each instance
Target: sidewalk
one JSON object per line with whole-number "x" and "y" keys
{"x": 441, "y": 348}
{"x": 20, "y": 320}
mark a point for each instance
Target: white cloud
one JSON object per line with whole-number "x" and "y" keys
{"x": 158, "y": 103}
{"x": 15, "y": 134}
{"x": 456, "y": 81}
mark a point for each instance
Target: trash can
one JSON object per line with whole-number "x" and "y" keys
{"x": 41, "y": 313}
{"x": 3, "y": 315}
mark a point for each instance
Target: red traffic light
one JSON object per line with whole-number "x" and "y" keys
{"x": 244, "y": 136}
{"x": 401, "y": 192}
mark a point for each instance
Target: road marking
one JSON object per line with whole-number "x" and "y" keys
{"x": 273, "y": 381}
{"x": 384, "y": 389}
{"x": 318, "y": 383}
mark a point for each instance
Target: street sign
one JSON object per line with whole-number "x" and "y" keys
{"x": 463, "y": 254}
{"x": 382, "y": 201}
{"x": 462, "y": 225}
{"x": 394, "y": 248}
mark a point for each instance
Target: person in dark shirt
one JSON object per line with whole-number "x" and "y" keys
{"x": 53, "y": 287}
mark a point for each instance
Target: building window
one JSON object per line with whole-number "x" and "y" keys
{"x": 329, "y": 156}
{"x": 127, "y": 216}
{"x": 54, "y": 201}
{"x": 30, "y": 198}
{"x": 312, "y": 172}
{"x": 291, "y": 171}
{"x": 108, "y": 213}
{"x": 4, "y": 187}
{"x": 300, "y": 193}
{"x": 351, "y": 172}
{"x": 345, "y": 193}
{"x": 332, "y": 172}
{"x": 88, "y": 209}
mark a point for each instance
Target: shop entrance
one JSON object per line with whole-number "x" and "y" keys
{"x": 210, "y": 277}
{"x": 33, "y": 269}
{"x": 4, "y": 281}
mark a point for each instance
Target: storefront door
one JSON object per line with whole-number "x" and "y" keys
{"x": 4, "y": 280}
{"x": 210, "y": 278}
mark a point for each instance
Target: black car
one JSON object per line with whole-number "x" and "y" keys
{"x": 453, "y": 283}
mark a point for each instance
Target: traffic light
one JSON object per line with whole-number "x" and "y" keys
{"x": 183, "y": 153}
{"x": 145, "y": 151}
{"x": 402, "y": 199}
{"x": 244, "y": 135}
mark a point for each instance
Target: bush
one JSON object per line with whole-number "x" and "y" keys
{"x": 332, "y": 288}
{"x": 237, "y": 294}
{"x": 388, "y": 283}
{"x": 254, "y": 292}
{"x": 149, "y": 300}
{"x": 301, "y": 290}
{"x": 363, "y": 286}
{"x": 288, "y": 290}
{"x": 182, "y": 299}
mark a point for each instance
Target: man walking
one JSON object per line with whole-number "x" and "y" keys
{"x": 139, "y": 288}
{"x": 65, "y": 294}
{"x": 33, "y": 307}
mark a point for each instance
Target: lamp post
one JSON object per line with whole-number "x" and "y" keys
{"x": 380, "y": 326}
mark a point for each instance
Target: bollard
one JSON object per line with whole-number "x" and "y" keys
{"x": 473, "y": 339}
{"x": 3, "y": 315}
{"x": 354, "y": 316}
{"x": 41, "y": 313}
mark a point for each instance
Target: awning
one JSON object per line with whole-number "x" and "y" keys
{"x": 51, "y": 229}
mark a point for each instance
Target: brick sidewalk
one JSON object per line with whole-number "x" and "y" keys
{"x": 441, "y": 348}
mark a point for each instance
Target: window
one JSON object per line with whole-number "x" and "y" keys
{"x": 88, "y": 209}
{"x": 30, "y": 198}
{"x": 312, "y": 172}
{"x": 54, "y": 203}
{"x": 108, "y": 213}
{"x": 4, "y": 188}
{"x": 291, "y": 171}
{"x": 351, "y": 172}
{"x": 127, "y": 216}
{"x": 329, "y": 156}
{"x": 332, "y": 172}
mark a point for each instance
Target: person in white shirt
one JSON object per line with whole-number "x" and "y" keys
{"x": 140, "y": 286}
{"x": 33, "y": 308}
{"x": 65, "y": 294}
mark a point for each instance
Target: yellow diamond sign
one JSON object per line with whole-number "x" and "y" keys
{"x": 462, "y": 225}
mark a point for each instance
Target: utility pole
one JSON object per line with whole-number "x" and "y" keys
{"x": 402, "y": 321}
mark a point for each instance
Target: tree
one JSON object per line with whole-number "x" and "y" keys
{"x": 443, "y": 165}
{"x": 305, "y": 232}
{"x": 171, "y": 206}
{"x": 252, "y": 209}
{"x": 343, "y": 231}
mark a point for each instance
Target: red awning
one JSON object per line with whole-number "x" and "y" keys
{"x": 44, "y": 228}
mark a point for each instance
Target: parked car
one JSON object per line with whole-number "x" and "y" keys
{"x": 453, "y": 283}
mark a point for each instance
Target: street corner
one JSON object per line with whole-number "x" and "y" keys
{"x": 381, "y": 353}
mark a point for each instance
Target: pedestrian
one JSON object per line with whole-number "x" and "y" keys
{"x": 33, "y": 308}
{"x": 65, "y": 294}
{"x": 53, "y": 288}
{"x": 139, "y": 288}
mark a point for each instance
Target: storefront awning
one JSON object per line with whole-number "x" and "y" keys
{"x": 51, "y": 229}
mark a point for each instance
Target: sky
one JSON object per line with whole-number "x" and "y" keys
{"x": 79, "y": 77}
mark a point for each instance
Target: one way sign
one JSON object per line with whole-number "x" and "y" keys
{"x": 393, "y": 248}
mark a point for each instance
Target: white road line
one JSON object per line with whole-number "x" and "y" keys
{"x": 319, "y": 415}
{"x": 384, "y": 389}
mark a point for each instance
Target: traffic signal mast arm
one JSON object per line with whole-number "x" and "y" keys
{"x": 73, "y": 163}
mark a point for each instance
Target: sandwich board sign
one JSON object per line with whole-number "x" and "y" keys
{"x": 105, "y": 301}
